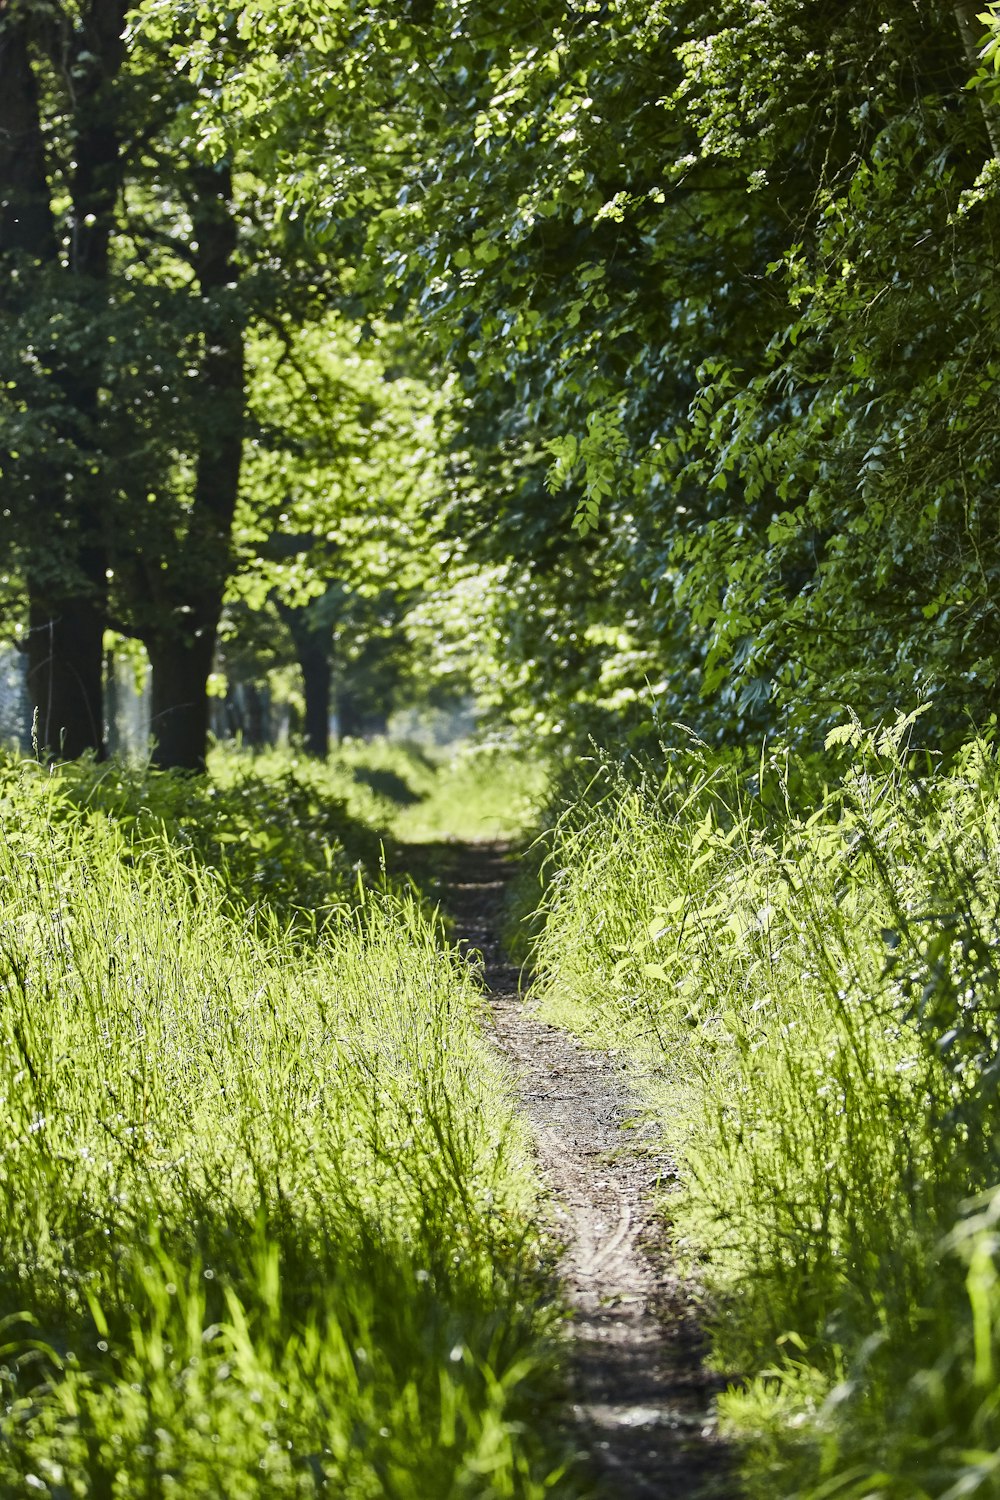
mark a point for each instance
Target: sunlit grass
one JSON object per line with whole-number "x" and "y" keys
{"x": 479, "y": 793}
{"x": 266, "y": 1209}
{"x": 411, "y": 793}
{"x": 813, "y": 992}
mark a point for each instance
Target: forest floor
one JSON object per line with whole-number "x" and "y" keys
{"x": 640, "y": 1395}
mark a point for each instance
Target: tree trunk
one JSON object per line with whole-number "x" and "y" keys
{"x": 26, "y": 222}
{"x": 973, "y": 35}
{"x": 179, "y": 720}
{"x": 256, "y": 701}
{"x": 63, "y": 535}
{"x": 312, "y": 643}
{"x": 315, "y": 664}
{"x": 350, "y": 719}
{"x": 65, "y": 661}
{"x": 181, "y": 642}
{"x": 64, "y": 696}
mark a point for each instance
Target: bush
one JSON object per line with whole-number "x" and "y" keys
{"x": 277, "y": 837}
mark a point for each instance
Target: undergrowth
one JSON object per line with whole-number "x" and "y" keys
{"x": 815, "y": 985}
{"x": 278, "y": 837}
{"x": 408, "y": 793}
{"x": 266, "y": 1211}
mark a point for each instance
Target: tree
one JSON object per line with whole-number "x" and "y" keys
{"x": 176, "y": 605}
{"x": 769, "y": 387}
{"x": 60, "y": 269}
{"x": 129, "y": 415}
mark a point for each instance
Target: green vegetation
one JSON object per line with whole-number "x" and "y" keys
{"x": 409, "y": 793}
{"x": 278, "y": 838}
{"x": 572, "y": 370}
{"x": 812, "y": 982}
{"x": 268, "y": 1221}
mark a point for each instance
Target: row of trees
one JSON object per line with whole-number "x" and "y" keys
{"x": 730, "y": 276}
{"x": 707, "y": 299}
{"x": 188, "y": 408}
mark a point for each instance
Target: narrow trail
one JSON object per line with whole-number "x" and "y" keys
{"x": 641, "y": 1396}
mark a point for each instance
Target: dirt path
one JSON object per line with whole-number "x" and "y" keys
{"x": 641, "y": 1398}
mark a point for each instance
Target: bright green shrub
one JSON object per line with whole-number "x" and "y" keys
{"x": 277, "y": 836}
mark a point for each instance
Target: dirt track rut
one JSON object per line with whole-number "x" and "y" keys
{"x": 641, "y": 1398}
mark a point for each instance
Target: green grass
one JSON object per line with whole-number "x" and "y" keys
{"x": 480, "y": 793}
{"x": 816, "y": 993}
{"x": 408, "y": 793}
{"x": 280, "y": 839}
{"x": 267, "y": 1216}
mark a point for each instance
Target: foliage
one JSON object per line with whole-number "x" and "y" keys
{"x": 267, "y": 1221}
{"x": 343, "y": 466}
{"x": 735, "y": 273}
{"x": 816, "y": 995}
{"x": 281, "y": 844}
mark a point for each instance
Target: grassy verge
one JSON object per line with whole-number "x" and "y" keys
{"x": 818, "y": 996}
{"x": 404, "y": 791}
{"x": 266, "y": 1215}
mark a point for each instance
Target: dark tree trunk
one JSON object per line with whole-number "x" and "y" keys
{"x": 64, "y": 539}
{"x": 181, "y": 642}
{"x": 65, "y": 670}
{"x": 60, "y": 678}
{"x": 26, "y": 223}
{"x": 179, "y": 713}
{"x": 313, "y": 643}
{"x": 258, "y": 701}
{"x": 350, "y": 719}
{"x": 315, "y": 664}
{"x": 65, "y": 648}
{"x": 248, "y": 714}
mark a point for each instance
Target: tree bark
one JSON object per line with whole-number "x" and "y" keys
{"x": 314, "y": 660}
{"x": 26, "y": 222}
{"x": 65, "y": 660}
{"x": 312, "y": 644}
{"x": 179, "y": 710}
{"x": 350, "y": 719}
{"x": 59, "y": 679}
{"x": 64, "y": 535}
{"x": 181, "y": 641}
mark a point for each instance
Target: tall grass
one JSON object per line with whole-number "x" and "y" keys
{"x": 817, "y": 993}
{"x": 266, "y": 1218}
{"x": 407, "y": 792}
{"x": 278, "y": 838}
